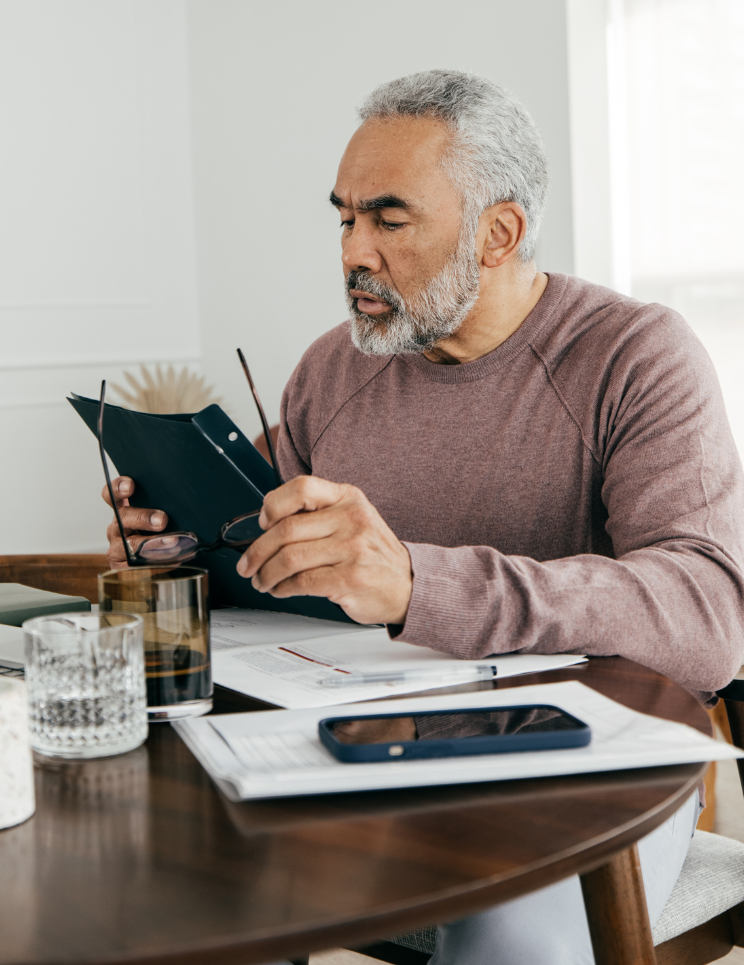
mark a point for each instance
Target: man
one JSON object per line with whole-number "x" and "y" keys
{"x": 488, "y": 459}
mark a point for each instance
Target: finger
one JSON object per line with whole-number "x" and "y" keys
{"x": 117, "y": 556}
{"x": 113, "y": 533}
{"x": 134, "y": 518}
{"x": 294, "y": 559}
{"x": 123, "y": 488}
{"x": 304, "y": 493}
{"x": 302, "y": 528}
{"x": 323, "y": 581}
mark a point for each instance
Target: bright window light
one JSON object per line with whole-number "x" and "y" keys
{"x": 684, "y": 115}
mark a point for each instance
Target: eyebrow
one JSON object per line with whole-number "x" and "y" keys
{"x": 373, "y": 204}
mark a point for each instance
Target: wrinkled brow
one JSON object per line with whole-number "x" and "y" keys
{"x": 373, "y": 204}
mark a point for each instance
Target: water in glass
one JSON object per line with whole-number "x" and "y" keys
{"x": 86, "y": 684}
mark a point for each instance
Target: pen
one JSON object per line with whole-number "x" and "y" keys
{"x": 481, "y": 671}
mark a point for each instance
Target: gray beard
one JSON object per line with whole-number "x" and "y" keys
{"x": 430, "y": 316}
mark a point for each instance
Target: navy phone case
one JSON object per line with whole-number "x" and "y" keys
{"x": 457, "y": 746}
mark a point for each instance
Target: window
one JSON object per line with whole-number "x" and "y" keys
{"x": 682, "y": 68}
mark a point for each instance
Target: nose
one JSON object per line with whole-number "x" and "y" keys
{"x": 359, "y": 251}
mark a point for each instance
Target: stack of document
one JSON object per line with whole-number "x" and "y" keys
{"x": 278, "y": 753}
{"x": 296, "y": 661}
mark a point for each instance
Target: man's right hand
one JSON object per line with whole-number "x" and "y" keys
{"x": 135, "y": 521}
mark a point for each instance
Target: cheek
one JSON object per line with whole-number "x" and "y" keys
{"x": 411, "y": 266}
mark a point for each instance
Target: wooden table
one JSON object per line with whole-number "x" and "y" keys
{"x": 139, "y": 859}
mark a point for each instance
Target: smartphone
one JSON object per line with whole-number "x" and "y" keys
{"x": 452, "y": 733}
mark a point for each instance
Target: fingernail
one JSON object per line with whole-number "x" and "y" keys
{"x": 157, "y": 519}
{"x": 124, "y": 487}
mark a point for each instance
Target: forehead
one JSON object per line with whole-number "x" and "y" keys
{"x": 400, "y": 156}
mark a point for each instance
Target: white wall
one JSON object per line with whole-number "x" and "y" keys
{"x": 115, "y": 115}
{"x": 274, "y": 90}
{"x": 97, "y": 254}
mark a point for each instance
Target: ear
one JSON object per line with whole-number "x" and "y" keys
{"x": 505, "y": 226}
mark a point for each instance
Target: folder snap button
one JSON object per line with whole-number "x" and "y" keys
{"x": 395, "y": 750}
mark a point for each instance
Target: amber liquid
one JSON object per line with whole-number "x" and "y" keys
{"x": 175, "y": 675}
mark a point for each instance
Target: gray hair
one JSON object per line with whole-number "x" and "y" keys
{"x": 497, "y": 153}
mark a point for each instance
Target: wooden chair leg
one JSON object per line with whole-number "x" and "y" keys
{"x": 707, "y": 943}
{"x": 736, "y": 920}
{"x": 618, "y": 916}
{"x": 707, "y": 820}
{"x": 720, "y": 718}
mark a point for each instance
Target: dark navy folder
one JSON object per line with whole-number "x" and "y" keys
{"x": 190, "y": 467}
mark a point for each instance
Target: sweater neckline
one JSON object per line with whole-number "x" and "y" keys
{"x": 478, "y": 369}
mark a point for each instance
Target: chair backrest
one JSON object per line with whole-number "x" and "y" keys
{"x": 72, "y": 573}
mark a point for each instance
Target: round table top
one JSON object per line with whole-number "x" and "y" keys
{"x": 140, "y": 859}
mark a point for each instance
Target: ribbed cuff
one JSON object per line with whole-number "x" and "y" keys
{"x": 450, "y": 603}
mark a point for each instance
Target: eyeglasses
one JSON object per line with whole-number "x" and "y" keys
{"x": 180, "y": 547}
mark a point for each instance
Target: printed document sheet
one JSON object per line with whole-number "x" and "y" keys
{"x": 278, "y": 753}
{"x": 283, "y": 659}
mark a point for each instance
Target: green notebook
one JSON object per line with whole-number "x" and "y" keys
{"x": 19, "y": 603}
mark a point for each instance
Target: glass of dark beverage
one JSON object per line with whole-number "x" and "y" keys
{"x": 173, "y": 604}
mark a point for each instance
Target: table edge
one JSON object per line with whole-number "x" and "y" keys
{"x": 404, "y": 917}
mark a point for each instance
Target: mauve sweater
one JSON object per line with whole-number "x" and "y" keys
{"x": 577, "y": 489}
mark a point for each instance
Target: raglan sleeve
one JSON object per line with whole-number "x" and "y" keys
{"x": 672, "y": 598}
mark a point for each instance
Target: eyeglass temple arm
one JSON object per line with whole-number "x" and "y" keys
{"x": 264, "y": 423}
{"x": 99, "y": 433}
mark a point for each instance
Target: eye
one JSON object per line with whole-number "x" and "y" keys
{"x": 347, "y": 224}
{"x": 392, "y": 225}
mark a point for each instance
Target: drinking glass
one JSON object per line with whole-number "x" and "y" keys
{"x": 86, "y": 684}
{"x": 173, "y": 604}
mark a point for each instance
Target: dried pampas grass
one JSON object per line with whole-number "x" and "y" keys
{"x": 166, "y": 392}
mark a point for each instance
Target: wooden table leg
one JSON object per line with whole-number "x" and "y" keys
{"x": 618, "y": 916}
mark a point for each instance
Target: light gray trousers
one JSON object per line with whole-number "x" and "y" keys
{"x": 549, "y": 927}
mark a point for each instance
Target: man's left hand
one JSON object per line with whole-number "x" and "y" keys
{"x": 326, "y": 539}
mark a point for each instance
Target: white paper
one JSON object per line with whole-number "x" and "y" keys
{"x": 232, "y": 628}
{"x": 278, "y": 753}
{"x": 283, "y": 659}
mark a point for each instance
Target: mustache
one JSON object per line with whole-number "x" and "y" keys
{"x": 363, "y": 282}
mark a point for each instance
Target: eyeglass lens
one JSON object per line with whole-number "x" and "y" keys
{"x": 243, "y": 530}
{"x": 171, "y": 548}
